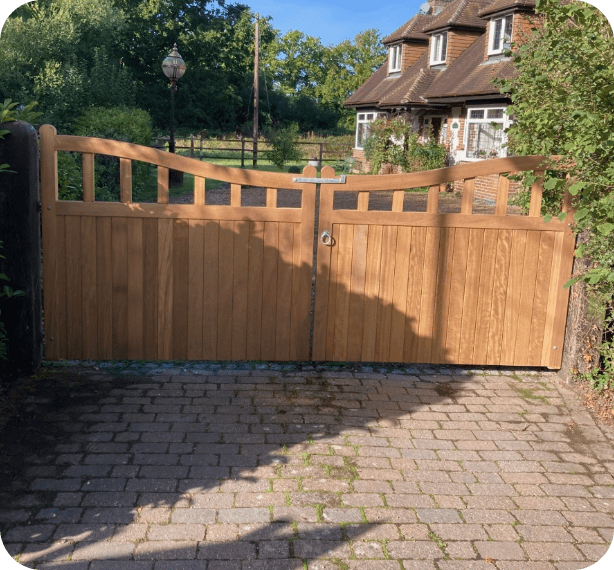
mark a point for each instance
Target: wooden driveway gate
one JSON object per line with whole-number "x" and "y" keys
{"x": 197, "y": 281}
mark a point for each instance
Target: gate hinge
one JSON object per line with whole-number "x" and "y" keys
{"x": 340, "y": 180}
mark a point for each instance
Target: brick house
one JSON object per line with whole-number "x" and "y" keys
{"x": 439, "y": 74}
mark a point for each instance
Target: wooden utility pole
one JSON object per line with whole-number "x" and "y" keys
{"x": 256, "y": 92}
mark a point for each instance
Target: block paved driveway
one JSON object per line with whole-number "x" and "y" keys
{"x": 308, "y": 470}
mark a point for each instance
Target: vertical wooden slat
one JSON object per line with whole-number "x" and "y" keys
{"x": 239, "y": 290}
{"x": 357, "y": 293}
{"x": 323, "y": 275}
{"x": 372, "y": 273}
{"x": 271, "y": 197}
{"x": 88, "y": 287}
{"x": 210, "y": 289}
{"x": 427, "y": 302}
{"x": 560, "y": 319}
{"x": 74, "y": 322}
{"x": 503, "y": 189}
{"x": 467, "y": 196}
{"x": 363, "y": 201}
{"x": 163, "y": 174}
{"x": 301, "y": 297}
{"x": 540, "y": 301}
{"x": 196, "y": 255}
{"x": 119, "y": 239}
{"x": 125, "y": 180}
{"x": 284, "y": 291}
{"x": 225, "y": 288}
{"x": 399, "y": 296}
{"x": 49, "y": 196}
{"x": 512, "y": 301}
{"x": 537, "y": 190}
{"x": 150, "y": 289}
{"x": 414, "y": 295}
{"x": 104, "y": 287}
{"x": 135, "y": 289}
{"x": 397, "y": 200}
{"x": 88, "y": 177}
{"x": 497, "y": 310}
{"x": 300, "y": 310}
{"x": 332, "y": 293}
{"x": 479, "y": 341}
{"x": 165, "y": 289}
{"x": 199, "y": 190}
{"x": 457, "y": 295}
{"x": 235, "y": 195}
{"x": 384, "y": 310}
{"x": 60, "y": 300}
{"x": 471, "y": 296}
{"x": 432, "y": 201}
{"x": 555, "y": 272}
{"x": 181, "y": 270}
{"x": 442, "y": 297}
{"x": 269, "y": 290}
{"x": 254, "y": 290}
{"x": 527, "y": 296}
{"x": 342, "y": 291}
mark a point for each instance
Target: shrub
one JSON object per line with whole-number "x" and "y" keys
{"x": 395, "y": 142}
{"x": 294, "y": 169}
{"x": 121, "y": 124}
{"x": 284, "y": 145}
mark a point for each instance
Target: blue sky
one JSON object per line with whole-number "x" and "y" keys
{"x": 335, "y": 20}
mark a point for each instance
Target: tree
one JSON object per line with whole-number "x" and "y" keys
{"x": 354, "y": 62}
{"x": 563, "y": 104}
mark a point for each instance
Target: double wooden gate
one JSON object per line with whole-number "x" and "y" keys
{"x": 128, "y": 280}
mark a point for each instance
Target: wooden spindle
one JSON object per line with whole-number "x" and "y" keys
{"x": 162, "y": 185}
{"x": 432, "y": 202}
{"x": 125, "y": 180}
{"x": 271, "y": 197}
{"x": 537, "y": 190}
{"x": 88, "y": 177}
{"x": 363, "y": 201}
{"x": 467, "y": 197}
{"x": 199, "y": 191}
{"x": 503, "y": 190}
{"x": 397, "y": 200}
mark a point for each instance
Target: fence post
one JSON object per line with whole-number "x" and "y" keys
{"x": 20, "y": 234}
{"x": 200, "y": 156}
{"x": 191, "y": 146}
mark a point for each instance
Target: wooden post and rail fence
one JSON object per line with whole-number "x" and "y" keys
{"x": 245, "y": 149}
{"x": 125, "y": 280}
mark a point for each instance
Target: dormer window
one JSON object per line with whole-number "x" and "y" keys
{"x": 439, "y": 48}
{"x": 394, "y": 61}
{"x": 500, "y": 35}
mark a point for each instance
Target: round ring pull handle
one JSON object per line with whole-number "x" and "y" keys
{"x": 326, "y": 238}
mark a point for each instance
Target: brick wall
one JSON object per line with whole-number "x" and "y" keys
{"x": 458, "y": 42}
{"x": 411, "y": 53}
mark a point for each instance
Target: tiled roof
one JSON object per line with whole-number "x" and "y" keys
{"x": 470, "y": 75}
{"x": 500, "y": 5}
{"x": 463, "y": 13}
{"x": 407, "y": 88}
{"x": 411, "y": 30}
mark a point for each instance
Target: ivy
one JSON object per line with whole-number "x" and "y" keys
{"x": 393, "y": 141}
{"x": 563, "y": 104}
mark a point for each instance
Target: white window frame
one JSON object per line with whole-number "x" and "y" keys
{"x": 394, "y": 58}
{"x": 437, "y": 40}
{"x": 364, "y": 118}
{"x": 504, "y": 121}
{"x": 502, "y": 38}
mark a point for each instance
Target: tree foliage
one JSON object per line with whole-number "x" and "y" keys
{"x": 563, "y": 104}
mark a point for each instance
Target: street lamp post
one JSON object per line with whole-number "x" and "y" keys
{"x": 173, "y": 67}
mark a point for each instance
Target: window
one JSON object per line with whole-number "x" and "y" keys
{"x": 362, "y": 125}
{"x": 484, "y": 133}
{"x": 439, "y": 48}
{"x": 436, "y": 127}
{"x": 394, "y": 61}
{"x": 500, "y": 35}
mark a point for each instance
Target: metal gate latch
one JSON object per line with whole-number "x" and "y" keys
{"x": 326, "y": 238}
{"x": 340, "y": 180}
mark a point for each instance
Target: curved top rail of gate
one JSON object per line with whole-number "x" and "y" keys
{"x": 127, "y": 152}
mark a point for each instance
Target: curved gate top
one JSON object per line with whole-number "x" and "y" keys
{"x": 160, "y": 281}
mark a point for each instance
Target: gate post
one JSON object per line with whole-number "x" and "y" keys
{"x": 20, "y": 234}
